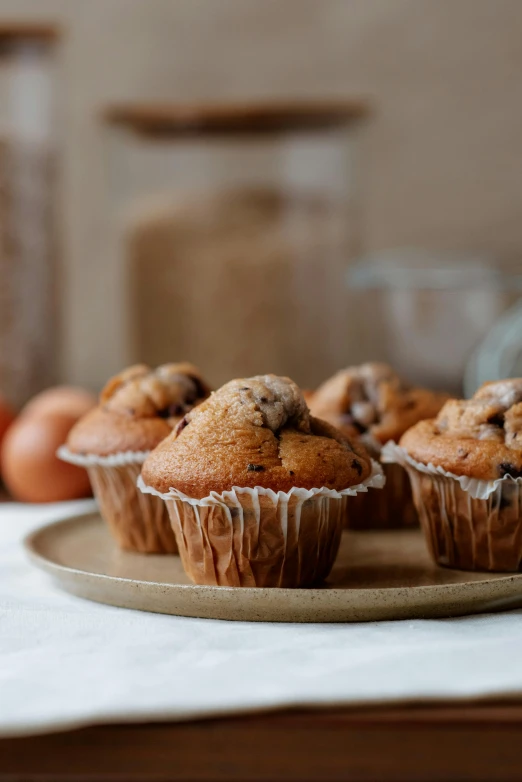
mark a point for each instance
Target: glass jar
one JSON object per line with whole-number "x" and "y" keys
{"x": 232, "y": 228}
{"x": 445, "y": 321}
{"x": 27, "y": 326}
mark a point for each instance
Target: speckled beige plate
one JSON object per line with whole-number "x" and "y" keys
{"x": 378, "y": 575}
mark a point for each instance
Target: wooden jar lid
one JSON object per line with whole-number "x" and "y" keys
{"x": 235, "y": 118}
{"x": 28, "y": 31}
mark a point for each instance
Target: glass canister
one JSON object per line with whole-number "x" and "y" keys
{"x": 27, "y": 240}
{"x": 232, "y": 226}
{"x": 447, "y": 321}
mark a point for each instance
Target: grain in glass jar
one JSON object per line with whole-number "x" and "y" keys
{"x": 232, "y": 227}
{"x": 27, "y": 239}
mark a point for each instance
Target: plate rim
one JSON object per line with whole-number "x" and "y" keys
{"x": 49, "y": 566}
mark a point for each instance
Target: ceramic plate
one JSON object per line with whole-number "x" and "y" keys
{"x": 377, "y": 575}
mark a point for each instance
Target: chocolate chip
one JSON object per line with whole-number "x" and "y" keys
{"x": 182, "y": 424}
{"x": 292, "y": 472}
{"x": 245, "y": 388}
{"x": 201, "y": 390}
{"x": 171, "y": 411}
{"x": 497, "y": 419}
{"x": 462, "y": 452}
{"x": 506, "y": 468}
{"x": 263, "y": 399}
{"x": 348, "y": 420}
{"x": 255, "y": 468}
{"x": 357, "y": 466}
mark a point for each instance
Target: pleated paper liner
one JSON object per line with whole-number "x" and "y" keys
{"x": 261, "y": 538}
{"x": 469, "y": 524}
{"x": 138, "y": 522}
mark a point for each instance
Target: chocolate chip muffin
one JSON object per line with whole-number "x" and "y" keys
{"x": 138, "y": 408}
{"x": 465, "y": 468}
{"x": 372, "y": 402}
{"x": 256, "y": 486}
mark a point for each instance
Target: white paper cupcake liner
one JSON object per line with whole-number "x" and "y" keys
{"x": 375, "y": 480}
{"x": 469, "y": 524}
{"x": 137, "y": 522}
{"x": 477, "y": 489}
{"x": 90, "y": 459}
{"x": 260, "y": 538}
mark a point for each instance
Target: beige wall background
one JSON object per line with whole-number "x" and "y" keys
{"x": 442, "y": 159}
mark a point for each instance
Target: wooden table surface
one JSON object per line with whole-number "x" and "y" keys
{"x": 472, "y": 743}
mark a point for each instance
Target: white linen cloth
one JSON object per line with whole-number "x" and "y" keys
{"x": 67, "y": 662}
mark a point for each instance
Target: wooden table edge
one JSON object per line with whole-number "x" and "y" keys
{"x": 472, "y": 742}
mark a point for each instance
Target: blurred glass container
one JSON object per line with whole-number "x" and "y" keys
{"x": 234, "y": 226}
{"x": 27, "y": 150}
{"x": 432, "y": 315}
{"x": 499, "y": 355}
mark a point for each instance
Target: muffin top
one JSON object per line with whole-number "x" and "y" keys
{"x": 372, "y": 399}
{"x": 138, "y": 408}
{"x": 479, "y": 437}
{"x": 255, "y": 432}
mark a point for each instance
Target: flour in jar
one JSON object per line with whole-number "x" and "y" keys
{"x": 241, "y": 281}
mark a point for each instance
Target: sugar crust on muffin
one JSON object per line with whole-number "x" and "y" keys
{"x": 255, "y": 432}
{"x": 372, "y": 399}
{"x": 479, "y": 437}
{"x": 138, "y": 408}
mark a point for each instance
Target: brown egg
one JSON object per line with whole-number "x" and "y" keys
{"x": 7, "y": 416}
{"x": 61, "y": 399}
{"x": 30, "y": 468}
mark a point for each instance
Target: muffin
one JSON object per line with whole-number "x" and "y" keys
{"x": 256, "y": 487}
{"x": 137, "y": 409}
{"x": 372, "y": 402}
{"x": 465, "y": 468}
